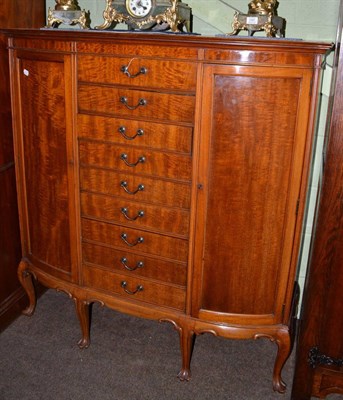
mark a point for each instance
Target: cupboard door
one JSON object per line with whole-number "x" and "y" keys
{"x": 254, "y": 129}
{"x": 45, "y": 176}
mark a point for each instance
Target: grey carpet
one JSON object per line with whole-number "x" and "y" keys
{"x": 129, "y": 358}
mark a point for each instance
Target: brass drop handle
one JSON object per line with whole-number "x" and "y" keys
{"x": 125, "y": 70}
{"x": 124, "y": 185}
{"x": 139, "y": 240}
{"x": 122, "y": 131}
{"x": 125, "y": 212}
{"x": 140, "y": 264}
{"x": 141, "y": 103}
{"x": 139, "y": 288}
{"x": 140, "y": 160}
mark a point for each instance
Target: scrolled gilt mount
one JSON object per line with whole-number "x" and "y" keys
{"x": 262, "y": 16}
{"x": 155, "y": 15}
{"x": 67, "y": 12}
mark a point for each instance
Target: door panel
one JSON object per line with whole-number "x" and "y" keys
{"x": 45, "y": 169}
{"x": 251, "y": 189}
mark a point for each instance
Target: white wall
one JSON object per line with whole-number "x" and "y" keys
{"x": 306, "y": 19}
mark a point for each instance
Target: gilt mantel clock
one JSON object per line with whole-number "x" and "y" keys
{"x": 156, "y": 15}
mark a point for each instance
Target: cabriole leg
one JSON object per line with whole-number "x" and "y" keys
{"x": 83, "y": 313}
{"x": 283, "y": 340}
{"x": 25, "y": 278}
{"x": 187, "y": 338}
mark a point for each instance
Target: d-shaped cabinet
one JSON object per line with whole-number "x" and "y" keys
{"x": 165, "y": 176}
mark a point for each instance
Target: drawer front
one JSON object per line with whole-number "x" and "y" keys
{"x": 138, "y": 215}
{"x": 137, "y": 160}
{"x": 42, "y": 44}
{"x": 137, "y": 188}
{"x": 136, "y": 103}
{"x": 138, "y": 72}
{"x": 140, "y": 133}
{"x": 135, "y": 264}
{"x": 139, "y": 289}
{"x": 122, "y": 47}
{"x": 260, "y": 57}
{"x": 126, "y": 238}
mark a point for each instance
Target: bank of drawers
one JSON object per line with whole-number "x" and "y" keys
{"x": 135, "y": 153}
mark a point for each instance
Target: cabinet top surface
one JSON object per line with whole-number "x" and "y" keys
{"x": 172, "y": 39}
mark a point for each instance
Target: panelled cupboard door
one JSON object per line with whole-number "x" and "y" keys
{"x": 45, "y": 162}
{"x": 254, "y": 130}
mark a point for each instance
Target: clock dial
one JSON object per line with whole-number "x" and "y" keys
{"x": 139, "y": 8}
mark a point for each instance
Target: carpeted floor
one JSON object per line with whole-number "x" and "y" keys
{"x": 129, "y": 358}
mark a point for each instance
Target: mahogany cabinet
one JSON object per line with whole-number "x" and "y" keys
{"x": 165, "y": 176}
{"x": 13, "y": 14}
{"x": 319, "y": 358}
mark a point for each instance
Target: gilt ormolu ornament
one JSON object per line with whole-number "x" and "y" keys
{"x": 262, "y": 16}
{"x": 66, "y": 5}
{"x": 67, "y": 12}
{"x": 154, "y": 15}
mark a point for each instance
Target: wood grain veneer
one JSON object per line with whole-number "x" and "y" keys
{"x": 220, "y": 174}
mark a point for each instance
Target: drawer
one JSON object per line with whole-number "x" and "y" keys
{"x": 134, "y": 288}
{"x": 141, "y": 241}
{"x": 135, "y": 264}
{"x": 137, "y": 160}
{"x": 137, "y": 188}
{"x": 140, "y": 133}
{"x": 124, "y": 102}
{"x": 123, "y": 46}
{"x": 137, "y": 214}
{"x": 42, "y": 44}
{"x": 140, "y": 72}
{"x": 262, "y": 57}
